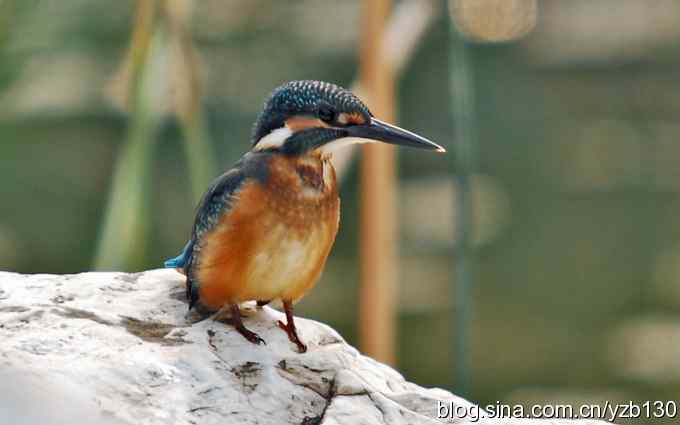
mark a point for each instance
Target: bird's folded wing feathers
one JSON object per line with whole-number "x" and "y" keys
{"x": 217, "y": 201}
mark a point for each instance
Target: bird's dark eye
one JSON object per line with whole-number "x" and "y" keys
{"x": 326, "y": 113}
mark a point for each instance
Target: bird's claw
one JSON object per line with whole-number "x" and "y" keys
{"x": 292, "y": 336}
{"x": 252, "y": 336}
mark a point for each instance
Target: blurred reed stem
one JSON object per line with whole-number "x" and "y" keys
{"x": 162, "y": 70}
{"x": 461, "y": 91}
{"x": 378, "y": 225}
{"x": 123, "y": 236}
{"x": 187, "y": 96}
{"x": 202, "y": 168}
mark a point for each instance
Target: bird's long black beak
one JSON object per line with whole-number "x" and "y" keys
{"x": 388, "y": 133}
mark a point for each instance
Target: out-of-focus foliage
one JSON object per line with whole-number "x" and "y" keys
{"x": 576, "y": 200}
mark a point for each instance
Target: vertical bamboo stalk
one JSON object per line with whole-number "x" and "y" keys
{"x": 378, "y": 194}
{"x": 461, "y": 83}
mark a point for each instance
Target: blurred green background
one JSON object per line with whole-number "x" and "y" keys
{"x": 576, "y": 194}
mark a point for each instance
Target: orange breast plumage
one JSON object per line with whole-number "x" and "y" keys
{"x": 274, "y": 241}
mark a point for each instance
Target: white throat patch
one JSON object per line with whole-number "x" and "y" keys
{"x": 333, "y": 146}
{"x": 275, "y": 139}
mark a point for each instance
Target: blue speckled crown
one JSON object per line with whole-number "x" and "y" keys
{"x": 304, "y": 97}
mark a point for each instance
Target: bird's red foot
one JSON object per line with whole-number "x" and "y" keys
{"x": 238, "y": 324}
{"x": 292, "y": 335}
{"x": 250, "y": 335}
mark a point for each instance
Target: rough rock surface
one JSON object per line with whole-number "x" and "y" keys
{"x": 115, "y": 348}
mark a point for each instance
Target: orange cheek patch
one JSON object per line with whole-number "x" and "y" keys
{"x": 353, "y": 118}
{"x": 301, "y": 123}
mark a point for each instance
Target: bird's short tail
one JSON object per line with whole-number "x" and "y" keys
{"x": 175, "y": 263}
{"x": 179, "y": 261}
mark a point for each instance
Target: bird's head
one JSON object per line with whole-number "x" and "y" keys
{"x": 304, "y": 116}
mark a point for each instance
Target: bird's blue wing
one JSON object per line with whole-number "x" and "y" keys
{"x": 217, "y": 201}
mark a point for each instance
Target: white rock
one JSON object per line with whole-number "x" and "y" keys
{"x": 115, "y": 348}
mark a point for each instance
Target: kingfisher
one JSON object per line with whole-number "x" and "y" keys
{"x": 264, "y": 229}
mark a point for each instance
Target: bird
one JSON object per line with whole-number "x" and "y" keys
{"x": 264, "y": 229}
